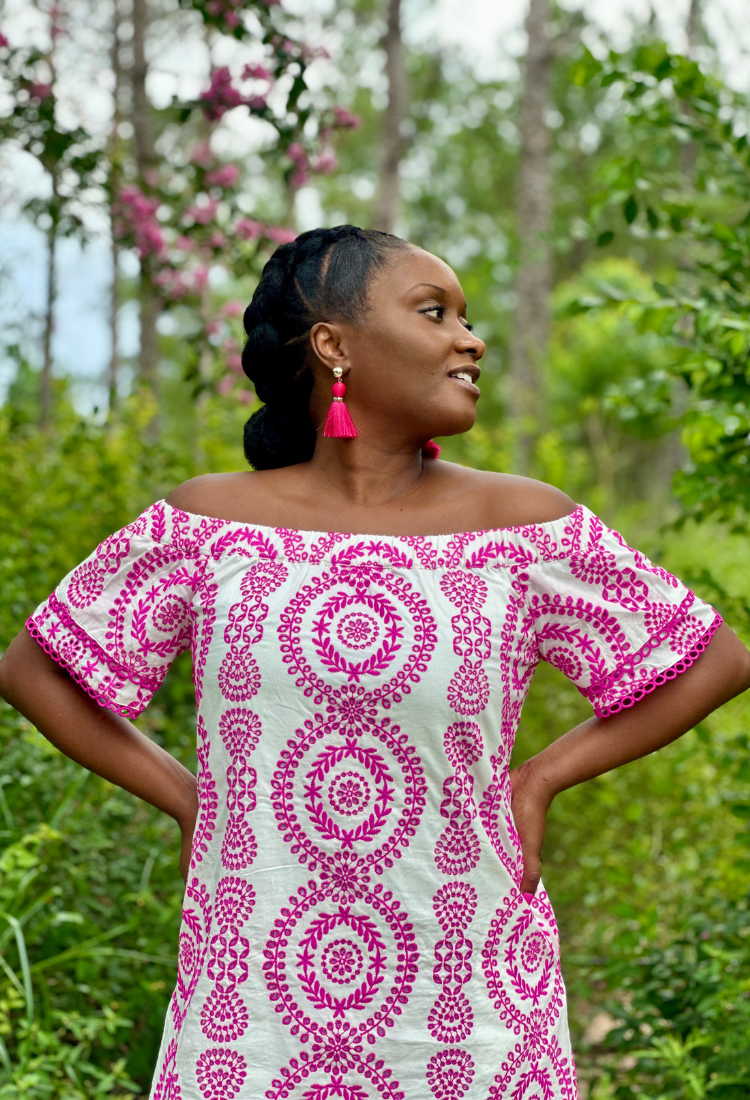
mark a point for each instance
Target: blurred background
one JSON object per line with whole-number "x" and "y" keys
{"x": 585, "y": 168}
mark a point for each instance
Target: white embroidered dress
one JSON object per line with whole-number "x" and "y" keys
{"x": 353, "y": 926}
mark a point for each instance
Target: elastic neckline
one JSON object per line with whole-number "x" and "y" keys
{"x": 309, "y": 535}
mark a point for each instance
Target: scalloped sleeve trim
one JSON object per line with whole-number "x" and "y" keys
{"x": 628, "y": 693}
{"x": 123, "y": 691}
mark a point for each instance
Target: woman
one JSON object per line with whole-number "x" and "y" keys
{"x": 363, "y": 914}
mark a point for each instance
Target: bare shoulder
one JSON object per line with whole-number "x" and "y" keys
{"x": 508, "y": 500}
{"x": 212, "y": 494}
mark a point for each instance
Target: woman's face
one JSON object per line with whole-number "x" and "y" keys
{"x": 410, "y": 365}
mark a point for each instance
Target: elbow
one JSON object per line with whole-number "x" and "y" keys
{"x": 6, "y": 677}
{"x": 742, "y": 671}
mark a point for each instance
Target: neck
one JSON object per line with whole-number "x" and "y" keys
{"x": 365, "y": 473}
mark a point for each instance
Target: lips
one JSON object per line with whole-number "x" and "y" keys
{"x": 467, "y": 375}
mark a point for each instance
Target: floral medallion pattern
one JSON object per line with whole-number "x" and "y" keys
{"x": 354, "y": 886}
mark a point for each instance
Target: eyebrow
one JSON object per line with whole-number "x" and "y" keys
{"x": 433, "y": 286}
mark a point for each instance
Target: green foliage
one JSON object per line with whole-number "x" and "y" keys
{"x": 90, "y": 892}
{"x": 640, "y": 863}
{"x": 686, "y": 183}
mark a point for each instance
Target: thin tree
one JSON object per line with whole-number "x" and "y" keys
{"x": 530, "y": 333}
{"x": 46, "y": 397}
{"x": 145, "y": 157}
{"x": 114, "y": 182}
{"x": 392, "y": 142}
{"x": 695, "y": 35}
{"x": 54, "y": 213}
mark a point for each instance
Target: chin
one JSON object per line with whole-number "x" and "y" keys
{"x": 457, "y": 423}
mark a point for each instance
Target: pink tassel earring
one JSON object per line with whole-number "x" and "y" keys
{"x": 339, "y": 424}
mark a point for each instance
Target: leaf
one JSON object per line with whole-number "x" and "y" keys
{"x": 605, "y": 238}
{"x": 741, "y": 810}
{"x": 630, "y": 209}
{"x": 584, "y": 69}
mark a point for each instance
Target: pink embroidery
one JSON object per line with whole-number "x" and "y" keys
{"x": 450, "y": 1073}
{"x": 168, "y": 1086}
{"x": 400, "y": 642}
{"x": 297, "y": 981}
{"x": 469, "y": 690}
{"x": 373, "y": 640}
{"x": 239, "y": 676}
{"x": 224, "y": 1017}
{"x": 208, "y": 800}
{"x": 656, "y": 678}
{"x": 240, "y": 731}
{"x": 221, "y": 1073}
{"x": 379, "y": 819}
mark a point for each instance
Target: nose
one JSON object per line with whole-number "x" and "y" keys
{"x": 471, "y": 344}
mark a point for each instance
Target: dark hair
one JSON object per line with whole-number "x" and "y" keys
{"x": 323, "y": 275}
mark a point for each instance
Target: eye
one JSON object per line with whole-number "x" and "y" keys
{"x": 467, "y": 326}
{"x": 438, "y": 310}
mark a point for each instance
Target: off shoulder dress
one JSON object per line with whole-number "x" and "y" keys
{"x": 353, "y": 926}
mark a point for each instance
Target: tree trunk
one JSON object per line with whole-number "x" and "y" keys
{"x": 145, "y": 157}
{"x": 392, "y": 140}
{"x": 114, "y": 178}
{"x": 530, "y": 334}
{"x": 694, "y": 33}
{"x": 46, "y": 399}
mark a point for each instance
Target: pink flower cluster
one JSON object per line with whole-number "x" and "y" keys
{"x": 202, "y": 213}
{"x": 256, "y": 72}
{"x": 176, "y": 284}
{"x": 224, "y": 176}
{"x": 222, "y": 96}
{"x": 301, "y": 162}
{"x": 135, "y": 213}
{"x": 39, "y": 90}
{"x": 249, "y": 230}
{"x": 225, "y": 9}
{"x": 345, "y": 119}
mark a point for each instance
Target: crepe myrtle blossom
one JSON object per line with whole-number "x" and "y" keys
{"x": 225, "y": 176}
{"x": 135, "y": 213}
{"x": 301, "y": 162}
{"x": 225, "y": 9}
{"x": 3, "y": 40}
{"x": 345, "y": 119}
{"x": 256, "y": 72}
{"x": 279, "y": 235}
{"x": 325, "y": 162}
{"x": 222, "y": 96}
{"x": 248, "y": 229}
{"x": 203, "y": 213}
{"x": 202, "y": 154}
{"x": 176, "y": 284}
{"x": 39, "y": 90}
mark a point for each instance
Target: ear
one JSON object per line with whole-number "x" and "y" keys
{"x": 327, "y": 344}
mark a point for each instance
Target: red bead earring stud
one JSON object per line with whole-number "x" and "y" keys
{"x": 339, "y": 424}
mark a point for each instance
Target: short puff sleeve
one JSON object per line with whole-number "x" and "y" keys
{"x": 117, "y": 621}
{"x": 611, "y": 621}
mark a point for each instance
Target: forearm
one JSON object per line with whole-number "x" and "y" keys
{"x": 101, "y": 741}
{"x": 601, "y": 744}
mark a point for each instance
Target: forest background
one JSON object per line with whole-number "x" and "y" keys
{"x": 594, "y": 198}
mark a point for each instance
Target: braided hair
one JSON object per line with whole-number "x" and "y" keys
{"x": 322, "y": 275}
